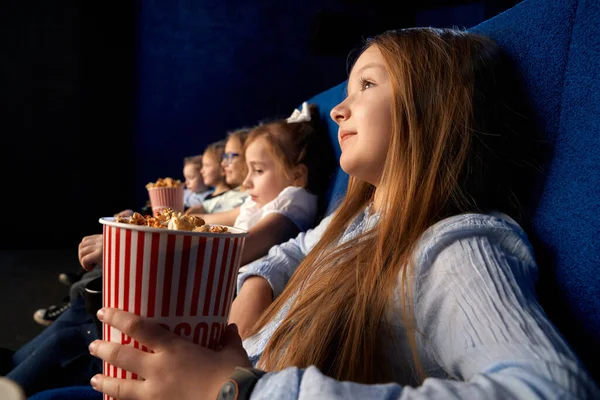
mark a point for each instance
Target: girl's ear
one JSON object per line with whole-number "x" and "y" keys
{"x": 300, "y": 175}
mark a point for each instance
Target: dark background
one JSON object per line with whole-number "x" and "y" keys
{"x": 99, "y": 98}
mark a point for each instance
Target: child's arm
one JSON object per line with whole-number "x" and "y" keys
{"x": 196, "y": 210}
{"x": 252, "y": 300}
{"x": 256, "y": 293}
{"x": 282, "y": 260}
{"x": 263, "y": 280}
{"x": 272, "y": 230}
{"x": 222, "y": 218}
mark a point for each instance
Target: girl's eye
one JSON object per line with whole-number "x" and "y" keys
{"x": 365, "y": 84}
{"x": 258, "y": 171}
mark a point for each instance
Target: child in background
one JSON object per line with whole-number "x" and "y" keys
{"x": 195, "y": 191}
{"x": 223, "y": 197}
{"x": 284, "y": 186}
{"x": 235, "y": 169}
{"x": 233, "y": 161}
{"x": 286, "y": 176}
{"x": 199, "y": 172}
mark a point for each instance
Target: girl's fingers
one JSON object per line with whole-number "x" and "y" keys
{"x": 124, "y": 357}
{"x": 87, "y": 248}
{"x": 90, "y": 253}
{"x": 91, "y": 238}
{"x": 231, "y": 343}
{"x": 231, "y": 337}
{"x": 89, "y": 261}
{"x": 138, "y": 328}
{"x": 121, "y": 389}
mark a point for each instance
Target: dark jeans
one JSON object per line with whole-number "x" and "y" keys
{"x": 69, "y": 393}
{"x": 78, "y": 288}
{"x": 58, "y": 356}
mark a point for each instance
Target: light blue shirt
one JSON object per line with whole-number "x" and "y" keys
{"x": 191, "y": 199}
{"x": 485, "y": 334}
{"x": 226, "y": 201}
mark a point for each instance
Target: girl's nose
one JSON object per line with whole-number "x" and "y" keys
{"x": 247, "y": 183}
{"x": 340, "y": 112}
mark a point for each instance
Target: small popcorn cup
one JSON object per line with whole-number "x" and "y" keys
{"x": 166, "y": 197}
{"x": 182, "y": 280}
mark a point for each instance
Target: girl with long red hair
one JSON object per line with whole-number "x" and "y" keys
{"x": 421, "y": 284}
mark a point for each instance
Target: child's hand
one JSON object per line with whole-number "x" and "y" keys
{"x": 254, "y": 298}
{"x": 90, "y": 251}
{"x": 124, "y": 213}
{"x": 195, "y": 210}
{"x": 178, "y": 368}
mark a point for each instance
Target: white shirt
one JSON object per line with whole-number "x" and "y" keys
{"x": 225, "y": 201}
{"x": 191, "y": 199}
{"x": 295, "y": 203}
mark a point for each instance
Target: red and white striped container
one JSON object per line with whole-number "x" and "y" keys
{"x": 184, "y": 281}
{"x": 166, "y": 197}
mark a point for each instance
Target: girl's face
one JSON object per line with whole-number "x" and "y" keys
{"x": 212, "y": 172}
{"x": 233, "y": 162}
{"x": 266, "y": 178}
{"x": 193, "y": 178}
{"x": 365, "y": 118}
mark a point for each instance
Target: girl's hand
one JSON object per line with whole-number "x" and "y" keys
{"x": 178, "y": 368}
{"x": 90, "y": 251}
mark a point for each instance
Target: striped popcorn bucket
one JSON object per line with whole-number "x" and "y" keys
{"x": 184, "y": 281}
{"x": 166, "y": 197}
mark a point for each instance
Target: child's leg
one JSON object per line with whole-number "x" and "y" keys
{"x": 58, "y": 356}
{"x": 75, "y": 316}
{"x": 78, "y": 288}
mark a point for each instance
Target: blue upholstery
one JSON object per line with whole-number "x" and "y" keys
{"x": 556, "y": 44}
{"x": 326, "y": 101}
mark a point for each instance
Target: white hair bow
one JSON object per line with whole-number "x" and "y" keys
{"x": 300, "y": 116}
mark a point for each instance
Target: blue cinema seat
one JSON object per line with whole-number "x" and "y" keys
{"x": 556, "y": 45}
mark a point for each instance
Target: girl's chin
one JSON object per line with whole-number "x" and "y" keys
{"x": 346, "y": 165}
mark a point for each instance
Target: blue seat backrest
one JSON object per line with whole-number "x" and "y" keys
{"x": 556, "y": 45}
{"x": 326, "y": 101}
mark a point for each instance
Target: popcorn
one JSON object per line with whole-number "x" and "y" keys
{"x": 180, "y": 223}
{"x": 211, "y": 229}
{"x": 164, "y": 182}
{"x": 172, "y": 220}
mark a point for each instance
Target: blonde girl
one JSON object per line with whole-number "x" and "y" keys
{"x": 235, "y": 170}
{"x": 223, "y": 198}
{"x": 285, "y": 175}
{"x": 195, "y": 190}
